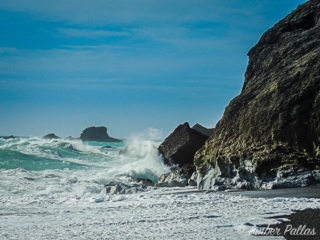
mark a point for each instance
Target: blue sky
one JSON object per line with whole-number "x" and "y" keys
{"x": 127, "y": 65}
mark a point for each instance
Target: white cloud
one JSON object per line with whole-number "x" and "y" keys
{"x": 164, "y": 44}
{"x": 90, "y": 33}
{"x": 101, "y": 12}
{"x": 123, "y": 66}
{"x": 85, "y": 11}
{"x": 8, "y": 50}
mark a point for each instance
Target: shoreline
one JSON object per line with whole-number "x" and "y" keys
{"x": 298, "y": 192}
{"x": 302, "y": 224}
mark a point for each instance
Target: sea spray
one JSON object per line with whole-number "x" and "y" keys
{"x": 140, "y": 158}
{"x": 35, "y": 169}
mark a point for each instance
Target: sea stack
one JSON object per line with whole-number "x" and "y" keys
{"x": 9, "y": 137}
{"x": 178, "y": 151}
{"x": 98, "y": 134}
{"x": 269, "y": 135}
{"x": 51, "y": 136}
{"x": 181, "y": 145}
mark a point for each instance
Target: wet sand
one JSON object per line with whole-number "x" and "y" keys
{"x": 301, "y": 192}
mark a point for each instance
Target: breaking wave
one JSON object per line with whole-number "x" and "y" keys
{"x": 64, "y": 168}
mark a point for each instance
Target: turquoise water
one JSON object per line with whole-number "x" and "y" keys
{"x": 36, "y": 170}
{"x": 92, "y": 159}
{"x": 39, "y": 154}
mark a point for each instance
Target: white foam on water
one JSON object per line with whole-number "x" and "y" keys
{"x": 140, "y": 160}
{"x": 68, "y": 203}
{"x": 151, "y": 215}
{"x": 140, "y": 157}
{"x": 100, "y": 166}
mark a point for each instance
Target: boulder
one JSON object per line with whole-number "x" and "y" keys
{"x": 177, "y": 178}
{"x": 98, "y": 134}
{"x": 51, "y": 136}
{"x": 113, "y": 188}
{"x": 173, "y": 183}
{"x": 204, "y": 131}
{"x": 145, "y": 181}
{"x": 269, "y": 135}
{"x": 180, "y": 146}
{"x": 193, "y": 179}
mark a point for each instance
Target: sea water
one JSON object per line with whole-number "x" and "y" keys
{"x": 52, "y": 189}
{"x": 36, "y": 167}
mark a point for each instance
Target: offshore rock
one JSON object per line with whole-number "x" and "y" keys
{"x": 9, "y": 137}
{"x": 98, "y": 134}
{"x": 181, "y": 145}
{"x": 177, "y": 178}
{"x": 269, "y": 135}
{"x": 204, "y": 131}
{"x": 72, "y": 138}
{"x": 51, "y": 136}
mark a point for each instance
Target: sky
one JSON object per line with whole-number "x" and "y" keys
{"x": 127, "y": 65}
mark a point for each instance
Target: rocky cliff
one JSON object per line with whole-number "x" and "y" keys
{"x": 269, "y": 135}
{"x": 98, "y": 134}
{"x": 204, "y": 131}
{"x": 181, "y": 145}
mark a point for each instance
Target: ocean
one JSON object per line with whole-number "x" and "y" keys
{"x": 53, "y": 189}
{"x": 61, "y": 167}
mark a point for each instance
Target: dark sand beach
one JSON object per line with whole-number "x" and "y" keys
{"x": 301, "y": 192}
{"x": 303, "y": 224}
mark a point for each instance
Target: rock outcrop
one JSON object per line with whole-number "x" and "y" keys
{"x": 72, "y": 138}
{"x": 204, "y": 131}
{"x": 269, "y": 135}
{"x": 121, "y": 188}
{"x": 178, "y": 178}
{"x": 51, "y": 136}
{"x": 98, "y": 134}
{"x": 9, "y": 137}
{"x": 181, "y": 145}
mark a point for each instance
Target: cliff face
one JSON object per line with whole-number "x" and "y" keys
{"x": 269, "y": 135}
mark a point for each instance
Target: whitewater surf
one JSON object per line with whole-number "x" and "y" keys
{"x": 53, "y": 189}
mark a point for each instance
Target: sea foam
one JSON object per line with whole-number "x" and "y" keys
{"x": 61, "y": 168}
